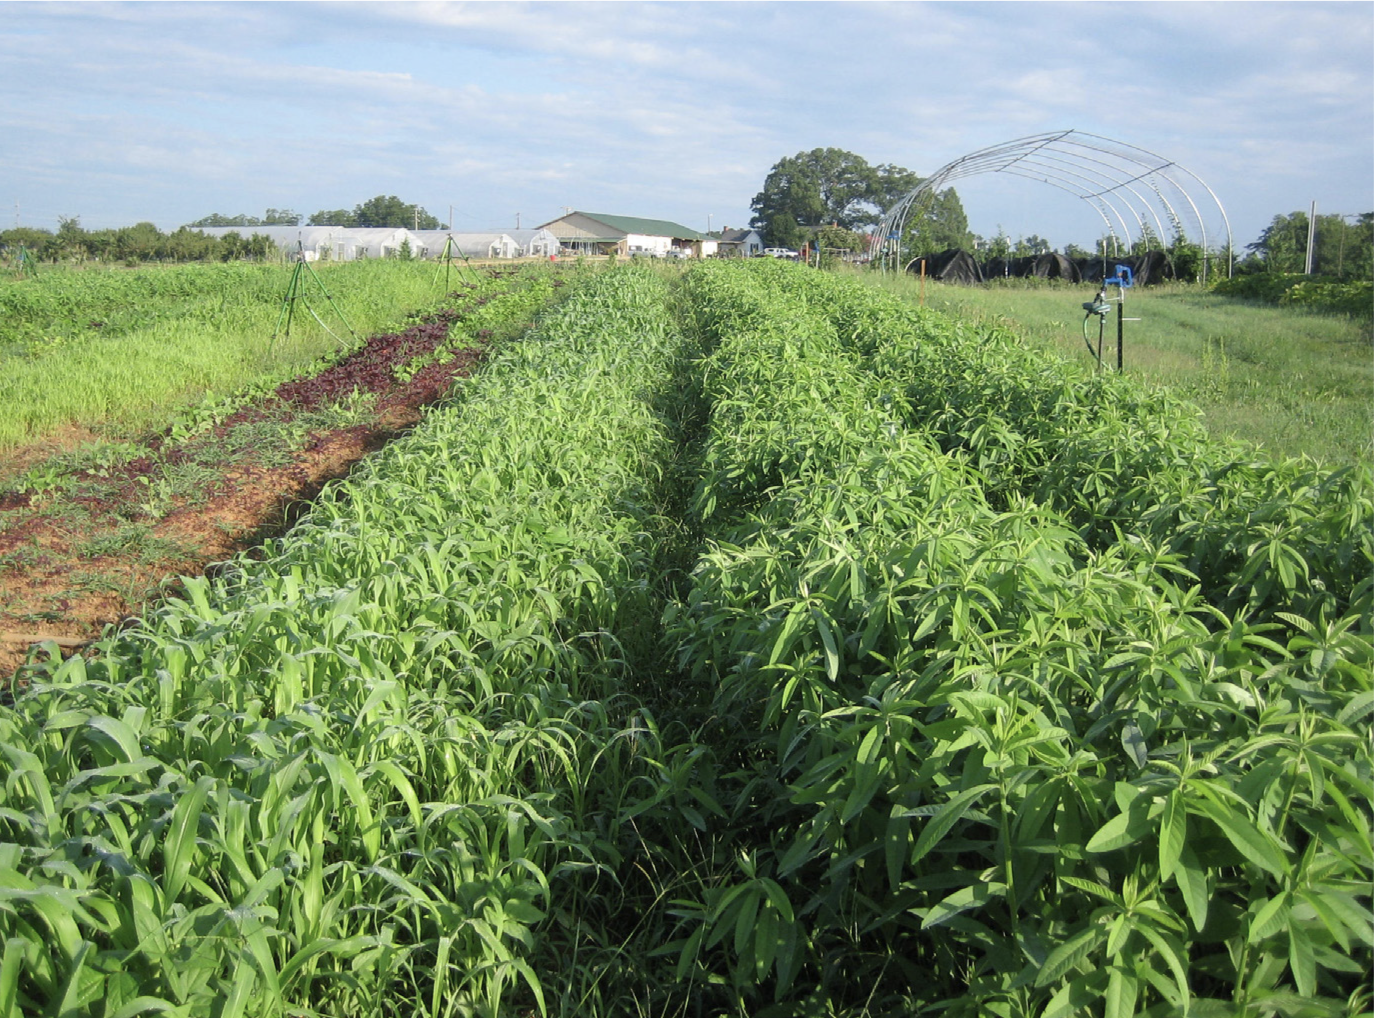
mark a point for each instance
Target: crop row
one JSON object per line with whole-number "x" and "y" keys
{"x": 1015, "y": 741}
{"x": 325, "y": 778}
{"x": 750, "y": 642}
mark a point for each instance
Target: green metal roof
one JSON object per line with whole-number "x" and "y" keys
{"x": 648, "y": 227}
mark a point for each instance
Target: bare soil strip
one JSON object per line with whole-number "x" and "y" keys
{"x": 103, "y": 545}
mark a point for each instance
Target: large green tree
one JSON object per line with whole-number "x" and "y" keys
{"x": 936, "y": 223}
{"x": 832, "y": 187}
{"x": 388, "y": 210}
{"x": 813, "y": 189}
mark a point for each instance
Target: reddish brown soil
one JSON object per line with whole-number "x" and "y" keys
{"x": 57, "y": 581}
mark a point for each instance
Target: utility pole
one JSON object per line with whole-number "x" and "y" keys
{"x": 517, "y": 220}
{"x": 1311, "y": 237}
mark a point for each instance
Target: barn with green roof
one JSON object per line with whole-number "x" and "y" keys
{"x": 596, "y": 233}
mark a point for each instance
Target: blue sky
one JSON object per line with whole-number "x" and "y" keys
{"x": 166, "y": 112}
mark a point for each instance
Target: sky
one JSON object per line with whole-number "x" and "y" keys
{"x": 506, "y": 113}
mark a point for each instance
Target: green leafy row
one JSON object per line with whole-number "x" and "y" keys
{"x": 1013, "y": 767}
{"x": 744, "y": 641}
{"x": 343, "y": 779}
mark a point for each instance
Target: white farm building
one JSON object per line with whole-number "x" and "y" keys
{"x": 346, "y": 243}
{"x": 434, "y": 243}
{"x": 597, "y": 233}
{"x": 324, "y": 243}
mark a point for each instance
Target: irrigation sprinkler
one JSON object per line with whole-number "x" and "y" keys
{"x": 296, "y": 291}
{"x": 1101, "y": 305}
{"x": 451, "y": 246}
{"x": 24, "y": 264}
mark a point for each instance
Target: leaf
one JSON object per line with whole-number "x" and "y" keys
{"x": 1094, "y": 887}
{"x": 1122, "y": 989}
{"x": 1358, "y": 919}
{"x": 120, "y": 734}
{"x": 1173, "y": 833}
{"x": 789, "y": 628}
{"x": 146, "y": 1005}
{"x": 179, "y": 846}
{"x": 79, "y": 990}
{"x": 962, "y": 900}
{"x": 895, "y": 846}
{"x": 1134, "y": 742}
{"x": 10, "y": 966}
{"x": 1120, "y": 932}
{"x": 1070, "y": 954}
{"x": 1192, "y": 882}
{"x": 1124, "y": 829}
{"x": 381, "y": 691}
{"x": 1072, "y": 999}
{"x": 744, "y": 920}
{"x": 1272, "y": 917}
{"x": 1316, "y": 901}
{"x": 868, "y": 748}
{"x": 1172, "y": 957}
{"x": 1301, "y": 960}
{"x": 1248, "y": 840}
{"x": 832, "y": 654}
{"x": 1357, "y": 709}
{"x": 938, "y": 826}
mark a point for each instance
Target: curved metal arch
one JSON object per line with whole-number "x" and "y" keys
{"x": 1111, "y": 176}
{"x": 1103, "y": 180}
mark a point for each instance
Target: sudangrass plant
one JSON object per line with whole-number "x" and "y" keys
{"x": 348, "y": 778}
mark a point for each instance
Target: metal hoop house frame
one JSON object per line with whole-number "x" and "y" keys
{"x": 1136, "y": 192}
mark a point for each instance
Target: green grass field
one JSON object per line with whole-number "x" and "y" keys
{"x": 119, "y": 351}
{"x": 1289, "y": 381}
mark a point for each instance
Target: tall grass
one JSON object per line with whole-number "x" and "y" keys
{"x": 119, "y": 350}
{"x": 1289, "y": 381}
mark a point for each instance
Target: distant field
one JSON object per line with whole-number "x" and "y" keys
{"x": 1292, "y": 382}
{"x": 116, "y": 350}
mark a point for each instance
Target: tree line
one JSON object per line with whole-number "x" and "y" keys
{"x": 1342, "y": 246}
{"x": 381, "y": 211}
{"x": 144, "y": 242}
